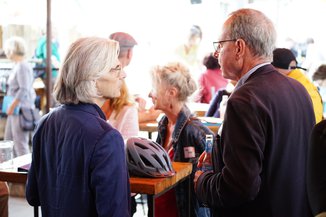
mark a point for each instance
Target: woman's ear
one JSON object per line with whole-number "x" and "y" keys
{"x": 171, "y": 92}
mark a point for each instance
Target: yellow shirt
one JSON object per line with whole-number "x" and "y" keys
{"x": 312, "y": 90}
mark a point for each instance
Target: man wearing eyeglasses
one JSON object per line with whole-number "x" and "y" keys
{"x": 259, "y": 164}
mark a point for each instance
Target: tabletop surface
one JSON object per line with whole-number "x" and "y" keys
{"x": 138, "y": 185}
{"x": 157, "y": 185}
{"x": 12, "y": 175}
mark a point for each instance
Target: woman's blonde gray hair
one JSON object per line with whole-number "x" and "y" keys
{"x": 87, "y": 59}
{"x": 15, "y": 46}
{"x": 177, "y": 75}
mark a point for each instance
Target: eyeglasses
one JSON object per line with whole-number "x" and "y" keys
{"x": 218, "y": 44}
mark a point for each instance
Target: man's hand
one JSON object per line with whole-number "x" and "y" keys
{"x": 201, "y": 159}
{"x": 199, "y": 166}
{"x": 197, "y": 174}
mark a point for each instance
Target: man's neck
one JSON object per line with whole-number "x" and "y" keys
{"x": 252, "y": 62}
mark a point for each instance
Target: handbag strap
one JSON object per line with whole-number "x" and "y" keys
{"x": 32, "y": 115}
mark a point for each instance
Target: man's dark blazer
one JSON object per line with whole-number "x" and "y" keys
{"x": 260, "y": 162}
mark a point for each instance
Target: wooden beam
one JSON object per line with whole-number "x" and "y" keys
{"x": 48, "y": 85}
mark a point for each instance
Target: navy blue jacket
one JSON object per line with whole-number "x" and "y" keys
{"x": 260, "y": 165}
{"x": 214, "y": 106}
{"x": 78, "y": 165}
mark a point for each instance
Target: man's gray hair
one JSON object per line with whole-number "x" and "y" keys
{"x": 256, "y": 29}
{"x": 87, "y": 59}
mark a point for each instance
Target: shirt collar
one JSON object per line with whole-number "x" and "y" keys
{"x": 247, "y": 75}
{"x": 87, "y": 107}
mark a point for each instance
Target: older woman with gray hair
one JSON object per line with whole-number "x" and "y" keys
{"x": 21, "y": 93}
{"x": 179, "y": 132}
{"x": 78, "y": 163}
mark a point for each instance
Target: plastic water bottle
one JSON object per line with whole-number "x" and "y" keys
{"x": 223, "y": 104}
{"x": 208, "y": 149}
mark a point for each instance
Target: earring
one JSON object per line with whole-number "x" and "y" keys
{"x": 171, "y": 107}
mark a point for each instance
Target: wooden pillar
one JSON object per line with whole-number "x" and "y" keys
{"x": 48, "y": 69}
{"x": 1, "y": 37}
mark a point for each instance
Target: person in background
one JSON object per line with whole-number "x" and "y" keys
{"x": 179, "y": 132}
{"x": 79, "y": 165}
{"x": 313, "y": 56}
{"x": 259, "y": 164}
{"x": 211, "y": 80}
{"x": 20, "y": 89}
{"x": 122, "y": 113}
{"x": 41, "y": 56}
{"x": 214, "y": 106}
{"x": 319, "y": 77}
{"x": 316, "y": 170}
{"x": 40, "y": 52}
{"x": 127, "y": 43}
{"x": 285, "y": 62}
{"x": 4, "y": 196}
{"x": 188, "y": 52}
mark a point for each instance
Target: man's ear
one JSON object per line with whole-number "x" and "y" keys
{"x": 241, "y": 46}
{"x": 129, "y": 53}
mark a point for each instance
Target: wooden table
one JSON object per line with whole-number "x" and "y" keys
{"x": 153, "y": 187}
{"x": 212, "y": 123}
{"x": 12, "y": 175}
{"x": 149, "y": 127}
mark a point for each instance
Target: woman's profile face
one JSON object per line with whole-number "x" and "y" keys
{"x": 109, "y": 84}
{"x": 160, "y": 97}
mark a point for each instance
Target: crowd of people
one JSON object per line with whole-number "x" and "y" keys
{"x": 267, "y": 156}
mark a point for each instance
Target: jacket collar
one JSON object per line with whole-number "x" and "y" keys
{"x": 248, "y": 74}
{"x": 184, "y": 117}
{"x": 86, "y": 107}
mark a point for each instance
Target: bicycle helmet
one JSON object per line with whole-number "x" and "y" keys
{"x": 146, "y": 158}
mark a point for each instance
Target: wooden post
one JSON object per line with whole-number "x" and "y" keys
{"x": 1, "y": 32}
{"x": 48, "y": 70}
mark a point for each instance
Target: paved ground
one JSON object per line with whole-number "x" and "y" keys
{"x": 18, "y": 207}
